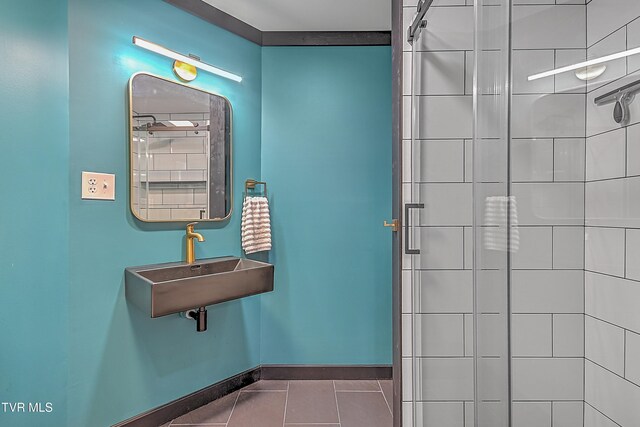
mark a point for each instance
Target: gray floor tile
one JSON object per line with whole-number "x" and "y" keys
{"x": 363, "y": 410}
{"x": 312, "y": 425}
{"x": 387, "y": 389}
{"x": 217, "y": 411}
{"x": 311, "y": 402}
{"x": 268, "y": 385}
{"x": 357, "y": 385}
{"x": 264, "y": 409}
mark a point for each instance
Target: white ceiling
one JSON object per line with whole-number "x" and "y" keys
{"x": 310, "y": 15}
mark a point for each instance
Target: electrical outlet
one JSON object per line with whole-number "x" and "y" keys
{"x": 99, "y": 186}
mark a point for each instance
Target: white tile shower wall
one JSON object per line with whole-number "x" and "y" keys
{"x": 612, "y": 246}
{"x": 176, "y": 170}
{"x": 548, "y": 165}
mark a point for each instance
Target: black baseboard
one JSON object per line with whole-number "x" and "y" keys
{"x": 326, "y": 372}
{"x": 167, "y": 412}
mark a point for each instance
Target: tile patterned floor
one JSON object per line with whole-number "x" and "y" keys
{"x": 270, "y": 403}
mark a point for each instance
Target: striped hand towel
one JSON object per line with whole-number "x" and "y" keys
{"x": 256, "y": 227}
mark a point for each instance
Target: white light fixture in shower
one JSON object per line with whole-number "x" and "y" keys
{"x": 145, "y": 44}
{"x": 591, "y": 72}
{"x": 586, "y": 64}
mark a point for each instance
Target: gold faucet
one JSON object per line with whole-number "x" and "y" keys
{"x": 191, "y": 251}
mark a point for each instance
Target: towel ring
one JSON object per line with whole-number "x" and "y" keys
{"x": 250, "y": 184}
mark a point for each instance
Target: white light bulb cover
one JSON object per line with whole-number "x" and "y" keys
{"x": 586, "y": 64}
{"x": 145, "y": 44}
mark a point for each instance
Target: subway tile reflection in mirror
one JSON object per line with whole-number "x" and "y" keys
{"x": 180, "y": 151}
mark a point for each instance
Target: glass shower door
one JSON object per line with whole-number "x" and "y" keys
{"x": 457, "y": 221}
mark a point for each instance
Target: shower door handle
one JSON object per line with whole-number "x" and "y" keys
{"x": 407, "y": 223}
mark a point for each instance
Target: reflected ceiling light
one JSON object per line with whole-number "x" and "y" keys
{"x": 185, "y": 123}
{"x": 586, "y": 64}
{"x": 184, "y": 59}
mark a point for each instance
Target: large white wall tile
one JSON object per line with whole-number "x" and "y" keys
{"x": 531, "y": 414}
{"x": 407, "y": 338}
{"x": 548, "y": 27}
{"x": 439, "y": 73}
{"x": 594, "y": 418}
{"x": 489, "y": 71}
{"x": 446, "y": 291}
{"x": 552, "y": 115}
{"x": 169, "y": 161}
{"x": 632, "y": 254}
{"x": 442, "y": 414}
{"x": 604, "y": 250}
{"x": 633, "y": 149}
{"x": 406, "y": 117}
{"x": 633, "y": 41}
{"x": 568, "y": 247}
{"x": 492, "y": 330}
{"x": 407, "y": 68}
{"x": 549, "y": 203}
{"x": 445, "y": 117}
{"x": 613, "y": 203}
{"x": 407, "y": 379}
{"x": 604, "y": 344}
{"x": 446, "y": 204}
{"x": 439, "y": 160}
{"x": 547, "y": 378}
{"x": 534, "y": 251}
{"x": 532, "y": 160}
{"x": 552, "y": 291}
{"x": 613, "y": 43}
{"x": 446, "y": 379}
{"x": 632, "y": 357}
{"x": 531, "y": 335}
{"x": 568, "y": 335}
{"x": 439, "y": 335}
{"x": 569, "y": 159}
{"x": 612, "y": 395}
{"x": 606, "y": 16}
{"x": 568, "y": 82}
{"x": 440, "y": 248}
{"x": 568, "y": 414}
{"x": 527, "y": 63}
{"x": 450, "y": 28}
{"x": 606, "y": 155}
{"x": 613, "y": 300}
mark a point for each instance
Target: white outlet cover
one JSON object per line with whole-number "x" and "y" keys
{"x": 98, "y": 186}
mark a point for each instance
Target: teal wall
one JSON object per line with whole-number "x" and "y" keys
{"x": 34, "y": 240}
{"x": 326, "y": 153}
{"x": 122, "y": 362}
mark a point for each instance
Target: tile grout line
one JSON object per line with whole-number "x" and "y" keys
{"x": 335, "y": 395}
{"x": 286, "y": 401}
{"x": 385, "y": 398}
{"x": 233, "y": 409}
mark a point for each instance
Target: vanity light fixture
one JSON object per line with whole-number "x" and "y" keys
{"x": 183, "y": 59}
{"x": 586, "y": 64}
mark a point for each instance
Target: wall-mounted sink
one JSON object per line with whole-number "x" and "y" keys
{"x": 163, "y": 289}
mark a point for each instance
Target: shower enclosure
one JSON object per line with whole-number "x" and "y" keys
{"x": 521, "y": 187}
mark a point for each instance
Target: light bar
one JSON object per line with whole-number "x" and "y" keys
{"x": 186, "y": 59}
{"x": 586, "y": 63}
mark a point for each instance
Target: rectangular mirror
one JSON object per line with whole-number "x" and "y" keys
{"x": 180, "y": 148}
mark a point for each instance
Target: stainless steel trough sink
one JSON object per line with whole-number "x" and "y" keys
{"x": 163, "y": 289}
